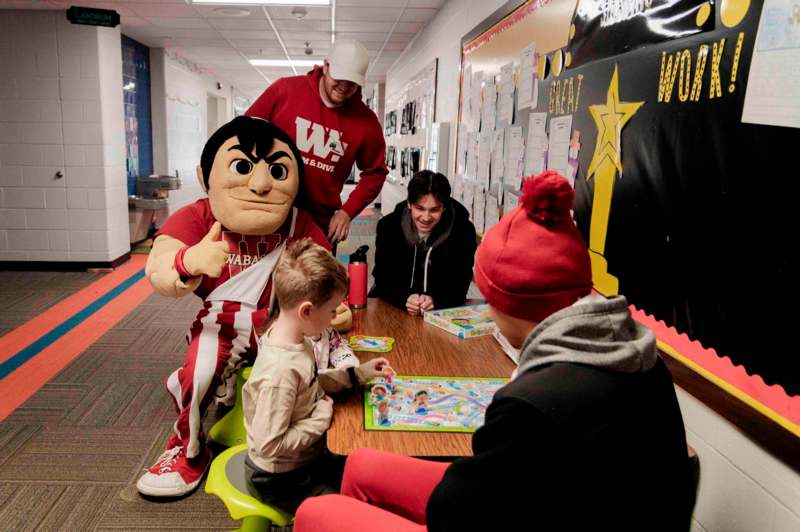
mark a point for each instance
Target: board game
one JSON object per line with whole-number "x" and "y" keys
{"x": 428, "y": 404}
{"x": 464, "y": 322}
{"x": 376, "y": 344}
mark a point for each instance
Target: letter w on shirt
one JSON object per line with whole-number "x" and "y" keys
{"x": 311, "y": 138}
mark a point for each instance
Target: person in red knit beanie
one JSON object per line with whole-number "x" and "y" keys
{"x": 588, "y": 434}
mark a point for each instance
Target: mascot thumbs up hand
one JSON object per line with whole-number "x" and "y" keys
{"x": 208, "y": 256}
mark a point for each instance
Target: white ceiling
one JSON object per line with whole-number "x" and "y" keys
{"x": 221, "y": 43}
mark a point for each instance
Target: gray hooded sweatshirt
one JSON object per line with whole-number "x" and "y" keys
{"x": 594, "y": 331}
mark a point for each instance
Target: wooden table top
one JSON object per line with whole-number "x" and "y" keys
{"x": 419, "y": 349}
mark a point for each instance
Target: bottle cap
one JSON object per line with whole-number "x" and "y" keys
{"x": 359, "y": 255}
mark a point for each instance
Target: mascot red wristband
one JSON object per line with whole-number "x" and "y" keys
{"x": 179, "y": 266}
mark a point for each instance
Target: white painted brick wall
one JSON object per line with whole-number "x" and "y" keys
{"x": 742, "y": 487}
{"x": 61, "y": 111}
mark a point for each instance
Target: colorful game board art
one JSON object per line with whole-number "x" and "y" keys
{"x": 428, "y": 404}
{"x": 464, "y": 322}
{"x": 376, "y": 344}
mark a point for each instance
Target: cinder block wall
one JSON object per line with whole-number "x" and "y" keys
{"x": 61, "y": 111}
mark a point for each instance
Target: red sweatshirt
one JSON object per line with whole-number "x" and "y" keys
{"x": 331, "y": 140}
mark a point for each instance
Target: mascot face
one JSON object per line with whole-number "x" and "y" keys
{"x": 254, "y": 177}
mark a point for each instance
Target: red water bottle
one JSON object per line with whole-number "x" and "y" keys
{"x": 358, "y": 270}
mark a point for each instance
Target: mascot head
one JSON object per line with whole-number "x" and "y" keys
{"x": 252, "y": 172}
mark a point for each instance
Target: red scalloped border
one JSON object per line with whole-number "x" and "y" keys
{"x": 520, "y": 13}
{"x": 771, "y": 400}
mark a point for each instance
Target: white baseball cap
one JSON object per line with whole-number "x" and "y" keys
{"x": 348, "y": 60}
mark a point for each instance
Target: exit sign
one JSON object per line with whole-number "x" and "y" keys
{"x": 90, "y": 16}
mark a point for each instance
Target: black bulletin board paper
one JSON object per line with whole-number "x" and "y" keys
{"x": 702, "y": 224}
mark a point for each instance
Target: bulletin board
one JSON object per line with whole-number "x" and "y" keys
{"x": 687, "y": 209}
{"x": 409, "y": 114}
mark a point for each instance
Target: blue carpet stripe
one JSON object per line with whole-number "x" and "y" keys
{"x": 42, "y": 343}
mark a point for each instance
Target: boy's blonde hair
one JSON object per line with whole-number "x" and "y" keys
{"x": 307, "y": 272}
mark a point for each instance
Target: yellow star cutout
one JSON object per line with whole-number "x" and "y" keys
{"x": 610, "y": 119}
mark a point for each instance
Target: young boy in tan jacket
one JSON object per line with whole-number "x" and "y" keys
{"x": 286, "y": 408}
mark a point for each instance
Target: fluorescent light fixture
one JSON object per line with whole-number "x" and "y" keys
{"x": 265, "y": 2}
{"x": 285, "y": 62}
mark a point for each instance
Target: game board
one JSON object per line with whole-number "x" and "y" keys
{"x": 465, "y": 322}
{"x": 429, "y": 404}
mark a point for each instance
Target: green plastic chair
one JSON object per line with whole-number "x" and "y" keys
{"x": 226, "y": 480}
{"x": 229, "y": 430}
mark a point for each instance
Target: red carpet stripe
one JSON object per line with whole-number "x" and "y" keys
{"x": 18, "y": 386}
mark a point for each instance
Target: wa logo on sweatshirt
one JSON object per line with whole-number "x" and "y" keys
{"x": 321, "y": 142}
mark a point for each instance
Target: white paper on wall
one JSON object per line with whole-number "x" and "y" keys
{"x": 458, "y": 188}
{"x": 515, "y": 155}
{"x": 510, "y": 201}
{"x": 528, "y": 78}
{"x": 463, "y": 149}
{"x": 475, "y": 109}
{"x": 558, "y": 147}
{"x": 469, "y": 197}
{"x": 536, "y": 146}
{"x": 484, "y": 158}
{"x": 498, "y": 160}
{"x": 489, "y": 105}
{"x": 492, "y": 213}
{"x": 773, "y": 83}
{"x": 505, "y": 105}
{"x": 479, "y": 210}
{"x": 472, "y": 156}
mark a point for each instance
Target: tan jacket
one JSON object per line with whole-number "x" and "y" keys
{"x": 285, "y": 413}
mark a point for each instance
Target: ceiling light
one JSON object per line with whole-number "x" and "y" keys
{"x": 285, "y": 62}
{"x": 232, "y": 11}
{"x": 265, "y": 2}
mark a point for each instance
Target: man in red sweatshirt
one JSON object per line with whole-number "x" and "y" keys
{"x": 333, "y": 128}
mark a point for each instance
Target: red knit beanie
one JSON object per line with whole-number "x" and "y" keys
{"x": 534, "y": 262}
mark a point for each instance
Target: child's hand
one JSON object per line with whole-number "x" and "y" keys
{"x": 377, "y": 367}
{"x": 412, "y": 304}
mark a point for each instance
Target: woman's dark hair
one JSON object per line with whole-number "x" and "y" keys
{"x": 252, "y": 133}
{"x": 427, "y": 182}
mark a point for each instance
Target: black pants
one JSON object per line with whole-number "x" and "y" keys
{"x": 287, "y": 490}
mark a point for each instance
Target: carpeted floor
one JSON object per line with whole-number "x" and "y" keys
{"x": 71, "y": 454}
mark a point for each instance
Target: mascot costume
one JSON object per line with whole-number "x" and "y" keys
{"x": 224, "y": 249}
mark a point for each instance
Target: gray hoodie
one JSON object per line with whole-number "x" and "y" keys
{"x": 594, "y": 331}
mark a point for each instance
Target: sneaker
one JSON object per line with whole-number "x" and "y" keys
{"x": 174, "y": 474}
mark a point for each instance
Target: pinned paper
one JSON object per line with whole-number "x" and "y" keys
{"x": 515, "y": 158}
{"x": 558, "y": 147}
{"x": 498, "y": 160}
{"x": 484, "y": 159}
{"x": 528, "y": 78}
{"x": 489, "y": 106}
{"x": 505, "y": 105}
{"x": 536, "y": 146}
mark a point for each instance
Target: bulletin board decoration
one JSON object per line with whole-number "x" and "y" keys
{"x": 670, "y": 190}
{"x": 771, "y": 401}
{"x": 600, "y": 33}
{"x": 520, "y": 13}
{"x": 688, "y": 212}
